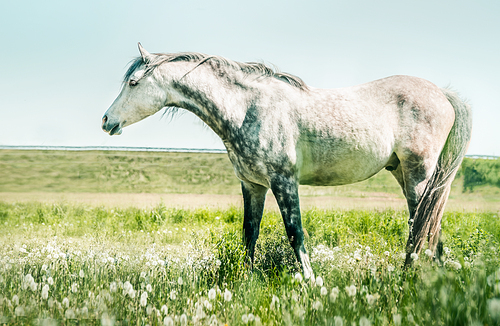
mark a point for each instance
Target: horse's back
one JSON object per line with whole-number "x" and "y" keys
{"x": 350, "y": 134}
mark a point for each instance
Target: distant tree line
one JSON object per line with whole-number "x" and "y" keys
{"x": 478, "y": 172}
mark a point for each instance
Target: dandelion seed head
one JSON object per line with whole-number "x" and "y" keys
{"x": 397, "y": 319}
{"x": 334, "y": 294}
{"x": 298, "y": 277}
{"x": 144, "y": 299}
{"x": 211, "y": 294}
{"x": 244, "y": 319}
{"x": 429, "y": 253}
{"x": 319, "y": 281}
{"x": 66, "y": 302}
{"x": 414, "y": 256}
{"x": 351, "y": 290}
{"x": 149, "y": 288}
{"x": 82, "y": 273}
{"x": 227, "y": 295}
{"x": 317, "y": 305}
{"x": 180, "y": 281}
{"x": 168, "y": 321}
{"x": 363, "y": 321}
{"x": 338, "y": 321}
{"x": 323, "y": 291}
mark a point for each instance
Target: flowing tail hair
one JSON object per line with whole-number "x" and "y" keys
{"x": 427, "y": 219}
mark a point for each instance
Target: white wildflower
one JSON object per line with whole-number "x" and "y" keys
{"x": 69, "y": 314}
{"x": 317, "y": 305}
{"x": 323, "y": 291}
{"x": 410, "y": 318}
{"x": 44, "y": 267}
{"x": 164, "y": 309}
{"x": 211, "y": 294}
{"x": 456, "y": 265}
{"x": 363, "y": 321}
{"x": 183, "y": 320}
{"x": 274, "y": 302}
{"x": 173, "y": 295}
{"x": 351, "y": 290}
{"x": 390, "y": 268}
{"x": 50, "y": 280}
{"x": 334, "y": 294}
{"x": 112, "y": 287}
{"x": 168, "y": 321}
{"x": 244, "y": 319}
{"x": 319, "y": 281}
{"x": 494, "y": 308}
{"x": 227, "y": 295}
{"x": 15, "y": 299}
{"x": 396, "y": 319}
{"x": 371, "y": 298}
{"x": 74, "y": 287}
{"x": 298, "y": 277}
{"x": 144, "y": 299}
{"x": 414, "y": 256}
{"x": 429, "y": 253}
{"x": 45, "y": 292}
{"x": 180, "y": 281}
{"x": 149, "y": 309}
{"x": 338, "y": 321}
{"x": 143, "y": 275}
{"x": 446, "y": 250}
{"x": 19, "y": 311}
{"x": 387, "y": 253}
{"x": 82, "y": 274}
{"x": 251, "y": 317}
{"x": 66, "y": 302}
{"x": 149, "y": 288}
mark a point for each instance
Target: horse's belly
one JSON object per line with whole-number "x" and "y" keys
{"x": 335, "y": 168}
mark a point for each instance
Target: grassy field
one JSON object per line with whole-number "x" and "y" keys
{"x": 73, "y": 263}
{"x": 92, "y": 265}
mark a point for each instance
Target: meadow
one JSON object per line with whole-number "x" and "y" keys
{"x": 69, "y": 263}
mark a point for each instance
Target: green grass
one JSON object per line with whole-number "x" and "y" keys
{"x": 102, "y": 261}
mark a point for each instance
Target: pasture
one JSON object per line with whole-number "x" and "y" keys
{"x": 68, "y": 262}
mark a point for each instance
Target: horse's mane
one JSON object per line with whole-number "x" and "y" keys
{"x": 250, "y": 68}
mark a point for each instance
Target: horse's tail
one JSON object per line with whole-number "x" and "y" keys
{"x": 427, "y": 217}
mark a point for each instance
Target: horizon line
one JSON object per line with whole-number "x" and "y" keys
{"x": 152, "y": 149}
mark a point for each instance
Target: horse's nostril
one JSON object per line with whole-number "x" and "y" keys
{"x": 104, "y": 119}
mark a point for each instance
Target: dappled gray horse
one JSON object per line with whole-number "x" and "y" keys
{"x": 280, "y": 133}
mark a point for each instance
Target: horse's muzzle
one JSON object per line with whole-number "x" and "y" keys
{"x": 111, "y": 127}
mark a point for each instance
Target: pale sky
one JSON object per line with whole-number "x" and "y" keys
{"x": 63, "y": 61}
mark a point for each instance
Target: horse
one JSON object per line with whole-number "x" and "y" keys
{"x": 280, "y": 132}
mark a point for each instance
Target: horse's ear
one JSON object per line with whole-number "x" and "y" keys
{"x": 146, "y": 56}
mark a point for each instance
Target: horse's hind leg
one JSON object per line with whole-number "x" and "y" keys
{"x": 413, "y": 174}
{"x": 286, "y": 191}
{"x": 254, "y": 197}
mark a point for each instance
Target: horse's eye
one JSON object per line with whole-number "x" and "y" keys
{"x": 132, "y": 83}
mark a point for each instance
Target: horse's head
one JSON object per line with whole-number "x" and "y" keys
{"x": 140, "y": 97}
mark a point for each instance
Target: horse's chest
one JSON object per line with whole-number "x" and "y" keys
{"x": 249, "y": 169}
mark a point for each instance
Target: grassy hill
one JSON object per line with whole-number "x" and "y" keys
{"x": 181, "y": 173}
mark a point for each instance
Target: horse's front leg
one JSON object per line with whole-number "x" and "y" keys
{"x": 254, "y": 197}
{"x": 286, "y": 191}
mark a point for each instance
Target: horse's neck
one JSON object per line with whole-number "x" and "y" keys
{"x": 220, "y": 106}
